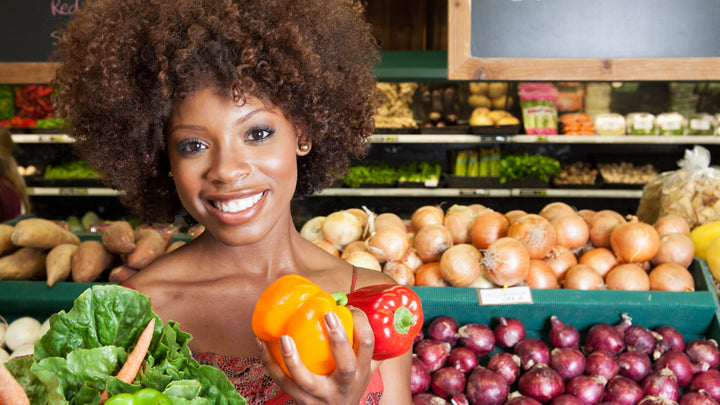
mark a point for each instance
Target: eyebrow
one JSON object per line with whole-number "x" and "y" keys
{"x": 240, "y": 120}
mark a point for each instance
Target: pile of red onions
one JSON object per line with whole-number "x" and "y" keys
{"x": 621, "y": 363}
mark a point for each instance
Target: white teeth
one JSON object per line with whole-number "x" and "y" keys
{"x": 237, "y": 205}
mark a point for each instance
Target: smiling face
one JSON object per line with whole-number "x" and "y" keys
{"x": 234, "y": 166}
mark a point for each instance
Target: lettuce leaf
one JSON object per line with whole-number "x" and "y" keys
{"x": 85, "y": 347}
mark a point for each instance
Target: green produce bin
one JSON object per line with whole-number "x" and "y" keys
{"x": 694, "y": 314}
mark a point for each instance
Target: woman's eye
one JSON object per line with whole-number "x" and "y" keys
{"x": 190, "y": 146}
{"x": 260, "y": 133}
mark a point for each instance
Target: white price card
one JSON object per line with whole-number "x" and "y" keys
{"x": 503, "y": 296}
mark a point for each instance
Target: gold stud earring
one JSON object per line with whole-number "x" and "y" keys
{"x": 170, "y": 173}
{"x": 304, "y": 147}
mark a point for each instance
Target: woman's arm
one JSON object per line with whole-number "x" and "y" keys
{"x": 396, "y": 380}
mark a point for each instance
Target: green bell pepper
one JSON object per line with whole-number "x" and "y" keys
{"x": 146, "y": 396}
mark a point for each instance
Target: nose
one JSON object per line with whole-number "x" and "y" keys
{"x": 229, "y": 164}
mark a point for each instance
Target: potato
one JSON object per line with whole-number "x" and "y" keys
{"x": 25, "y": 263}
{"x": 508, "y": 120}
{"x": 479, "y": 100}
{"x": 5, "y": 234}
{"x": 481, "y": 120}
{"x": 497, "y": 89}
{"x": 495, "y": 115}
{"x": 478, "y": 87}
{"x": 89, "y": 261}
{"x": 58, "y": 263}
{"x": 119, "y": 237}
{"x": 41, "y": 234}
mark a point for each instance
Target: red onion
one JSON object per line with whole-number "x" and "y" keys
{"x": 426, "y": 398}
{"x": 485, "y": 387}
{"x": 443, "y": 329}
{"x": 603, "y": 336}
{"x": 634, "y": 365}
{"x": 516, "y": 398}
{"x": 622, "y": 390}
{"x": 419, "y": 376}
{"x": 588, "y": 389}
{"x": 680, "y": 365}
{"x": 672, "y": 339}
{"x": 566, "y": 399}
{"x": 477, "y": 337}
{"x": 459, "y": 399}
{"x": 432, "y": 353}
{"x": 661, "y": 383}
{"x": 447, "y": 381}
{"x": 505, "y": 364}
{"x": 462, "y": 359}
{"x": 418, "y": 337}
{"x": 568, "y": 362}
{"x": 697, "y": 398}
{"x": 707, "y": 382}
{"x": 651, "y": 400}
{"x": 508, "y": 332}
{"x": 541, "y": 383}
{"x": 600, "y": 363}
{"x": 532, "y": 352}
{"x": 640, "y": 339}
{"x": 562, "y": 334}
{"x": 704, "y": 351}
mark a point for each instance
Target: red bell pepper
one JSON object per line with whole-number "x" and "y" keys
{"x": 395, "y": 315}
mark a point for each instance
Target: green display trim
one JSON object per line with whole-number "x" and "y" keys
{"x": 412, "y": 66}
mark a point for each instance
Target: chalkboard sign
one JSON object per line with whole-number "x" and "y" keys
{"x": 584, "y": 40}
{"x": 29, "y": 28}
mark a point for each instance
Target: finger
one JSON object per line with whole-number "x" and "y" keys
{"x": 300, "y": 375}
{"x": 340, "y": 347}
{"x": 273, "y": 368}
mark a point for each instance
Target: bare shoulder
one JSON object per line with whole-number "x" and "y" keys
{"x": 366, "y": 277}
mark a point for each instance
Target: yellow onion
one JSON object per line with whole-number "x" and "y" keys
{"x": 634, "y": 241}
{"x": 312, "y": 229}
{"x": 460, "y": 264}
{"x": 399, "y": 272}
{"x": 426, "y": 215}
{"x": 364, "y": 259}
{"x": 506, "y": 262}
{"x": 628, "y": 277}
{"x": 388, "y": 244}
{"x": 340, "y": 228}
{"x": 671, "y": 277}
{"x": 431, "y": 241}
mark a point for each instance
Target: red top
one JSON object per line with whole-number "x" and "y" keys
{"x": 10, "y": 204}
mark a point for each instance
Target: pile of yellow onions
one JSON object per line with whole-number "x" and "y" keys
{"x": 478, "y": 247}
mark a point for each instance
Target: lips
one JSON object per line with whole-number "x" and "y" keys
{"x": 233, "y": 206}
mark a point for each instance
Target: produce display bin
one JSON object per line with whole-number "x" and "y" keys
{"x": 694, "y": 314}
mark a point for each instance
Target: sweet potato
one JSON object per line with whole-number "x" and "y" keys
{"x": 149, "y": 245}
{"x": 89, "y": 261}
{"x": 25, "y": 263}
{"x": 121, "y": 273}
{"x": 41, "y": 234}
{"x": 58, "y": 263}
{"x": 119, "y": 237}
{"x": 5, "y": 234}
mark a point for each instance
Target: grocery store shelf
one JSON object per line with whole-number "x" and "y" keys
{"x": 42, "y": 138}
{"x": 559, "y": 139}
{"x": 73, "y": 192}
{"x": 476, "y": 192}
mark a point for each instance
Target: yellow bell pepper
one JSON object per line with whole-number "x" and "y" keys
{"x": 702, "y": 236}
{"x": 294, "y": 306}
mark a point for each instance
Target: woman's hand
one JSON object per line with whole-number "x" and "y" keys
{"x": 353, "y": 366}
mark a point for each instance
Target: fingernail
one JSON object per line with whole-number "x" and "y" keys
{"x": 260, "y": 345}
{"x": 286, "y": 345}
{"x": 332, "y": 320}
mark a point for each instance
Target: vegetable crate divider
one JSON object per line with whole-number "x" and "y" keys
{"x": 694, "y": 314}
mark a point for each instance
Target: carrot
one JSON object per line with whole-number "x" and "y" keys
{"x": 5, "y": 234}
{"x": 132, "y": 365}
{"x": 24, "y": 264}
{"x": 58, "y": 263}
{"x": 121, "y": 273}
{"x": 149, "y": 245}
{"x": 41, "y": 234}
{"x": 89, "y": 261}
{"x": 119, "y": 237}
{"x": 11, "y": 392}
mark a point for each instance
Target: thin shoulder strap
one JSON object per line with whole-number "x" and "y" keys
{"x": 354, "y": 279}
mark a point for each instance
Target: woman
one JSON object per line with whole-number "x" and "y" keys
{"x": 14, "y": 200}
{"x": 230, "y": 109}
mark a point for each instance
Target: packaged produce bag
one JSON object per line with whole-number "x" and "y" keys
{"x": 692, "y": 191}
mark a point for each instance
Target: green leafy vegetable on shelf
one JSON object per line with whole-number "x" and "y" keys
{"x": 51, "y": 122}
{"x": 517, "y": 167}
{"x": 419, "y": 172}
{"x": 371, "y": 173}
{"x": 77, "y": 169}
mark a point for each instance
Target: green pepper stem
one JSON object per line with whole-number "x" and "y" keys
{"x": 403, "y": 319}
{"x": 340, "y": 298}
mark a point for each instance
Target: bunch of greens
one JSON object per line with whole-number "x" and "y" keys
{"x": 83, "y": 350}
{"x": 419, "y": 172}
{"x": 517, "y": 167}
{"x": 371, "y": 173}
{"x": 76, "y": 169}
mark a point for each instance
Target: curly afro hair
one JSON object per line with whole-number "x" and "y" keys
{"x": 123, "y": 63}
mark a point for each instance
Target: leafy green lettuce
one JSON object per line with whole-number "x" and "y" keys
{"x": 84, "y": 349}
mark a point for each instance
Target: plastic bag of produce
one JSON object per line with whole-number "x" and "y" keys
{"x": 692, "y": 191}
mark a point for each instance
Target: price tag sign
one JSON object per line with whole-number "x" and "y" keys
{"x": 504, "y": 296}
{"x": 532, "y": 193}
{"x": 385, "y": 138}
{"x": 73, "y": 191}
{"x": 542, "y": 139}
